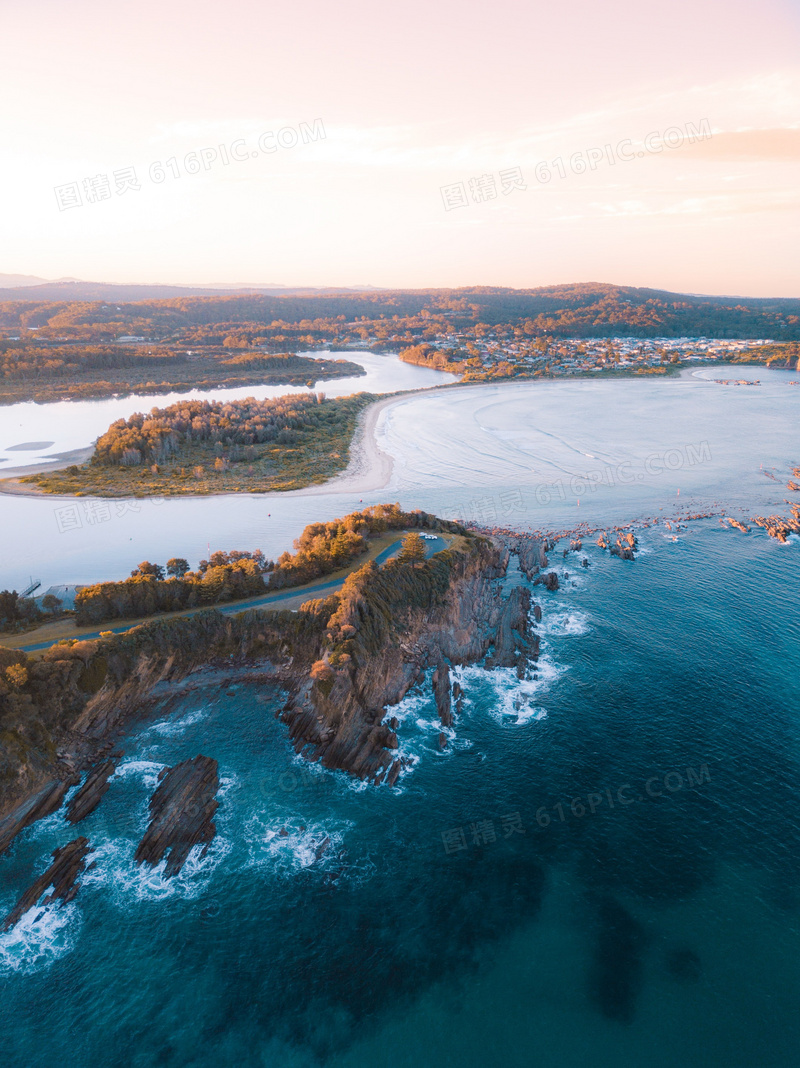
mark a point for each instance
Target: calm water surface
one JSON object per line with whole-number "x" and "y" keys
{"x": 529, "y": 454}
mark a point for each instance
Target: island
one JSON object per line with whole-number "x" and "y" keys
{"x": 200, "y": 447}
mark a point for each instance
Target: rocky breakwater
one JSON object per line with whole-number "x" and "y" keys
{"x": 181, "y": 814}
{"x": 384, "y": 629}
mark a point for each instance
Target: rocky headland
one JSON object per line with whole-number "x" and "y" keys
{"x": 343, "y": 661}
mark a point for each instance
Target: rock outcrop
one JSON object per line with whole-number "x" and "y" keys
{"x": 390, "y": 624}
{"x": 549, "y": 580}
{"x": 442, "y": 694}
{"x": 532, "y": 555}
{"x": 86, "y": 800}
{"x": 512, "y": 640}
{"x": 44, "y": 803}
{"x": 69, "y": 862}
{"x": 778, "y": 526}
{"x": 625, "y": 546}
{"x": 181, "y": 814}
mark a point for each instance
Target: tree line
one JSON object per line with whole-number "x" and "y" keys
{"x": 321, "y": 549}
{"x": 232, "y": 425}
{"x": 568, "y": 310}
{"x": 20, "y": 362}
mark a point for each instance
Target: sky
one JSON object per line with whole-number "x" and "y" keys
{"x": 413, "y": 144}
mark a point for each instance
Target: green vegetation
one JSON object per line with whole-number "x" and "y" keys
{"x": 46, "y": 372}
{"x": 785, "y": 355}
{"x": 200, "y": 447}
{"x": 321, "y": 549}
{"x": 147, "y": 593}
{"x": 43, "y": 699}
{"x": 17, "y": 613}
{"x": 405, "y": 318}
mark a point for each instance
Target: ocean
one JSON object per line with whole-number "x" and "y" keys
{"x": 602, "y": 867}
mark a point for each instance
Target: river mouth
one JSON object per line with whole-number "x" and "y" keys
{"x": 79, "y": 422}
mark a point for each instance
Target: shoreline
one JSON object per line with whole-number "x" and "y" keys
{"x": 370, "y": 468}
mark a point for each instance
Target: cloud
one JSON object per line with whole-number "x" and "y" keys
{"x": 768, "y": 146}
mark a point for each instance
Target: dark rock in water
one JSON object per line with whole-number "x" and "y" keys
{"x": 44, "y": 803}
{"x": 549, "y": 581}
{"x": 626, "y": 544}
{"x": 68, "y": 863}
{"x": 458, "y": 695}
{"x": 442, "y": 740}
{"x": 537, "y": 613}
{"x": 322, "y": 847}
{"x": 532, "y": 555}
{"x": 441, "y": 691}
{"x": 511, "y": 640}
{"x": 91, "y": 793}
{"x": 616, "y": 973}
{"x": 585, "y": 562}
{"x": 394, "y": 773}
{"x": 684, "y": 964}
{"x": 181, "y": 814}
{"x": 394, "y": 723}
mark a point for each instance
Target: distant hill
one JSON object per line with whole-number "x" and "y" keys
{"x": 29, "y": 287}
{"x": 591, "y": 309}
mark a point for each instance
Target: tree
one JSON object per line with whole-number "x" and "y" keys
{"x": 177, "y": 566}
{"x": 51, "y": 602}
{"x": 412, "y": 551}
{"x": 9, "y": 612}
{"x": 144, "y": 569}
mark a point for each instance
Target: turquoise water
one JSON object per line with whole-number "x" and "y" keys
{"x": 658, "y": 932}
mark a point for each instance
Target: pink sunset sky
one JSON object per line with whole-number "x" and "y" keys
{"x": 409, "y": 144}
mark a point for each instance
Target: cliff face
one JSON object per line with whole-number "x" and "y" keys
{"x": 63, "y": 713}
{"x": 343, "y": 660}
{"x": 391, "y": 624}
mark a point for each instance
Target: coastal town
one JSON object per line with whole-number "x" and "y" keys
{"x": 488, "y": 356}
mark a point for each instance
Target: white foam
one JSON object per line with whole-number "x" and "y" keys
{"x": 42, "y": 936}
{"x": 117, "y": 872}
{"x": 149, "y": 770}
{"x": 287, "y": 854}
{"x": 569, "y": 623}
{"x": 169, "y": 728}
{"x": 510, "y": 701}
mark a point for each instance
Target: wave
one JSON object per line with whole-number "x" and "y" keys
{"x": 287, "y": 845}
{"x": 117, "y": 872}
{"x": 510, "y": 701}
{"x": 42, "y": 936}
{"x": 569, "y": 623}
{"x": 169, "y": 728}
{"x": 149, "y": 770}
